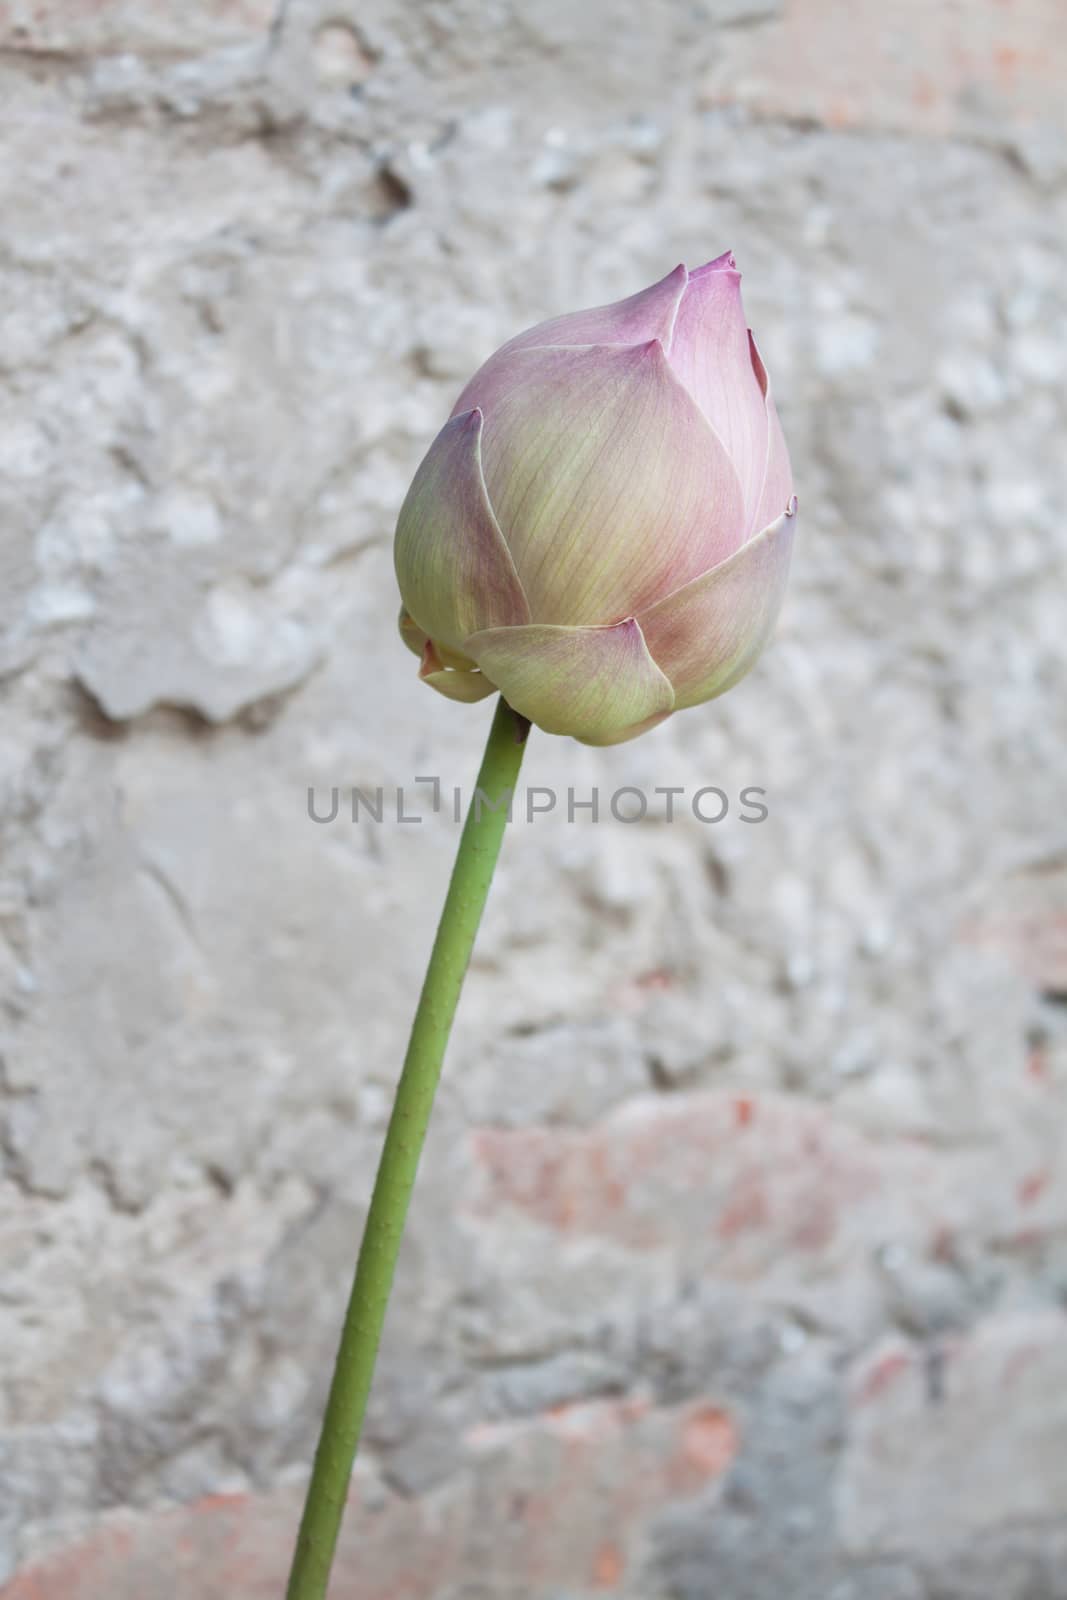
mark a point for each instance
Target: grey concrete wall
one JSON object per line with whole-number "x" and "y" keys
{"x": 738, "y": 1261}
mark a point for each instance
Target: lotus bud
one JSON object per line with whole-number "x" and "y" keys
{"x": 602, "y": 530}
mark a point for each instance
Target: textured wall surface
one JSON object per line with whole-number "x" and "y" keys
{"x": 738, "y": 1262}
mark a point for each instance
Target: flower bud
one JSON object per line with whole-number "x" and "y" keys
{"x": 602, "y": 531}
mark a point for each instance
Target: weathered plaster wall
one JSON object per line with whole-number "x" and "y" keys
{"x": 738, "y": 1264}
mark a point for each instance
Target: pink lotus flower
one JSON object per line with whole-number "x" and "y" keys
{"x": 603, "y": 529}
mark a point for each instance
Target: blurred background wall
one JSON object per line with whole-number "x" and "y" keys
{"x": 738, "y": 1261}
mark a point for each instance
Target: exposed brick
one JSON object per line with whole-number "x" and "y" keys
{"x": 96, "y": 27}
{"x": 561, "y": 1500}
{"x": 1024, "y": 923}
{"x": 749, "y": 1179}
{"x": 944, "y": 1446}
{"x": 913, "y": 66}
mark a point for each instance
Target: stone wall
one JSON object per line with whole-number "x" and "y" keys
{"x": 738, "y": 1261}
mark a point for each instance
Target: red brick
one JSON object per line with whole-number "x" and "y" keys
{"x": 742, "y": 1180}
{"x": 561, "y": 1498}
{"x": 993, "y": 1453}
{"x": 1024, "y": 923}
{"x": 919, "y": 65}
{"x": 151, "y": 27}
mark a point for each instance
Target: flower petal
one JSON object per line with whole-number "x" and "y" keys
{"x": 411, "y": 633}
{"x": 707, "y": 635}
{"x": 720, "y": 264}
{"x": 777, "y": 487}
{"x": 609, "y": 486}
{"x": 591, "y": 683}
{"x": 453, "y": 566}
{"x": 620, "y": 736}
{"x": 457, "y": 683}
{"x": 711, "y": 355}
{"x": 417, "y": 641}
{"x": 647, "y": 315}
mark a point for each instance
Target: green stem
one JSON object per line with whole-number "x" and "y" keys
{"x": 472, "y": 874}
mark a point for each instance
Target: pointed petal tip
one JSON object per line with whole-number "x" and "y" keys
{"x": 727, "y": 262}
{"x": 654, "y": 351}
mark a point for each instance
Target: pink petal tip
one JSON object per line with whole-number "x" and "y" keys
{"x": 724, "y": 263}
